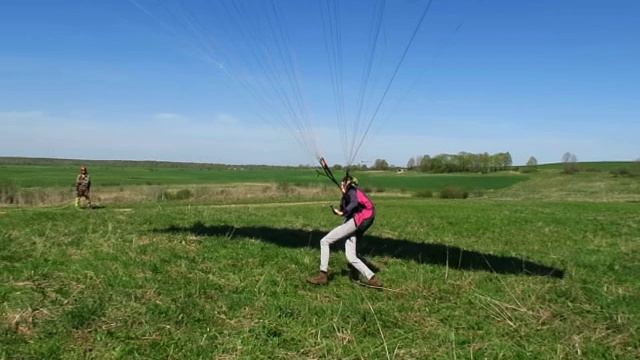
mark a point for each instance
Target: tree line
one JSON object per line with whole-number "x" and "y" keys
{"x": 461, "y": 162}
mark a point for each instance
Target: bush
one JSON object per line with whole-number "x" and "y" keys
{"x": 592, "y": 169}
{"x": 452, "y": 192}
{"x": 621, "y": 172}
{"x": 424, "y": 194}
{"x": 183, "y": 194}
{"x": 570, "y": 168}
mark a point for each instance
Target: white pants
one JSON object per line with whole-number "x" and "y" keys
{"x": 344, "y": 231}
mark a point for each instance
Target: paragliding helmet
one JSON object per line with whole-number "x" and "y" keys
{"x": 349, "y": 180}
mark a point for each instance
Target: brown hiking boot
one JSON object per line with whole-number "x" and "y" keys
{"x": 321, "y": 279}
{"x": 375, "y": 282}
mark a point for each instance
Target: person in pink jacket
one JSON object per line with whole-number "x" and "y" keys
{"x": 359, "y": 213}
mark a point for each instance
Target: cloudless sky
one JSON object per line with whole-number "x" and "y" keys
{"x": 109, "y": 80}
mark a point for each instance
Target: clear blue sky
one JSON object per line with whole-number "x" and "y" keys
{"x": 105, "y": 80}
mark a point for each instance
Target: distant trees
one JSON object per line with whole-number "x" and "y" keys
{"x": 569, "y": 163}
{"x": 411, "y": 163}
{"x": 425, "y": 163}
{"x": 380, "y": 164}
{"x": 419, "y": 160}
{"x": 356, "y": 167}
{"x": 568, "y": 157}
{"x": 462, "y": 162}
{"x": 507, "y": 161}
{"x": 532, "y": 165}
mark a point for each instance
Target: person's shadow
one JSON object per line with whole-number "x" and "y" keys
{"x": 422, "y": 253}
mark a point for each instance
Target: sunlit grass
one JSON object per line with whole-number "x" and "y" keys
{"x": 158, "y": 281}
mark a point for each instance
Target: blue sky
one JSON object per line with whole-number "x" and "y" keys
{"x": 105, "y": 80}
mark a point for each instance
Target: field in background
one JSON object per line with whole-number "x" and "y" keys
{"x": 64, "y": 176}
{"x": 541, "y": 265}
{"x": 41, "y": 184}
{"x": 131, "y": 182}
{"x": 596, "y": 166}
{"x": 553, "y": 185}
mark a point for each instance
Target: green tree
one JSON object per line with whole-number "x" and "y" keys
{"x": 381, "y": 164}
{"x": 507, "y": 160}
{"x": 494, "y": 162}
{"x": 464, "y": 161}
{"x": 485, "y": 162}
{"x": 425, "y": 163}
{"x": 438, "y": 164}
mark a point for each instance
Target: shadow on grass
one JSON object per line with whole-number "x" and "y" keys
{"x": 422, "y": 253}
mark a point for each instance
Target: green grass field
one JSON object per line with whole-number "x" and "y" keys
{"x": 109, "y": 175}
{"x": 596, "y": 166}
{"x": 42, "y": 184}
{"x": 542, "y": 268}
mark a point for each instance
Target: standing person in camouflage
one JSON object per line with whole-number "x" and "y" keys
{"x": 83, "y": 186}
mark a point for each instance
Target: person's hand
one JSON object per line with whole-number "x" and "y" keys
{"x": 336, "y": 211}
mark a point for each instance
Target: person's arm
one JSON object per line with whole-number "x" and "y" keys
{"x": 352, "y": 204}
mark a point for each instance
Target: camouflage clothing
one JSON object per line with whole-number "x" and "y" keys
{"x": 83, "y": 185}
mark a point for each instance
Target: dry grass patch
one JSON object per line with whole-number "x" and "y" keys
{"x": 22, "y": 321}
{"x": 226, "y": 193}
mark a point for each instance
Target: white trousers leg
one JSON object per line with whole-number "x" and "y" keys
{"x": 344, "y": 231}
{"x": 352, "y": 257}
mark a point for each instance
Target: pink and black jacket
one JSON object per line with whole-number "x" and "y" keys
{"x": 356, "y": 205}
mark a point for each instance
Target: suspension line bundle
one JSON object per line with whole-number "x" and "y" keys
{"x": 250, "y": 41}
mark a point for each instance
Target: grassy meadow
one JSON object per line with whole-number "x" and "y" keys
{"x": 531, "y": 266}
{"x": 52, "y": 184}
{"x": 28, "y": 176}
